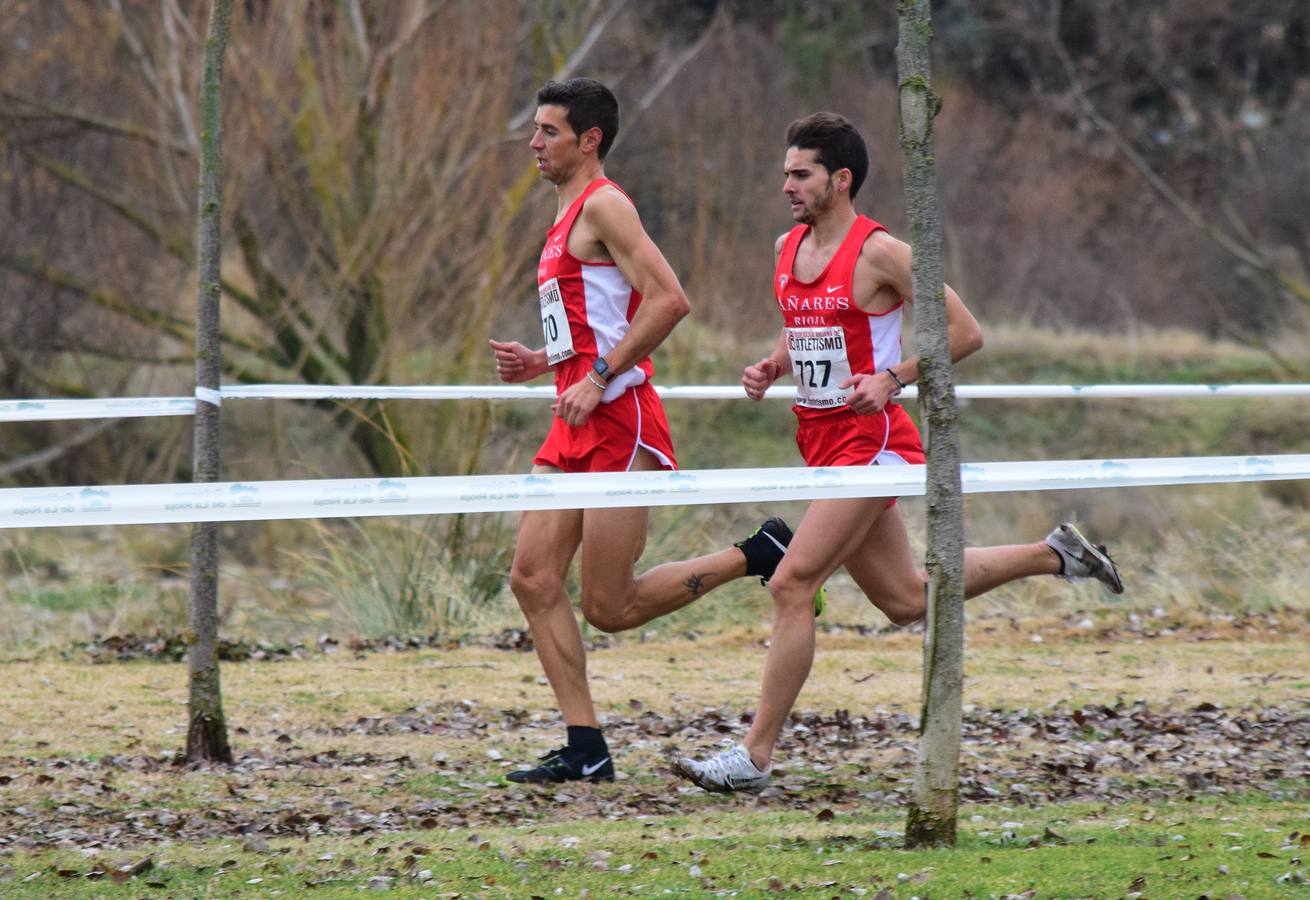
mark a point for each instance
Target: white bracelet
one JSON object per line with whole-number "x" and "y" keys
{"x": 595, "y": 383}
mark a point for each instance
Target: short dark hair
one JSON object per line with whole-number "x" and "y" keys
{"x": 587, "y": 104}
{"x": 836, "y": 142}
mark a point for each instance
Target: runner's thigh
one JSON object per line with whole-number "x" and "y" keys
{"x": 884, "y": 566}
{"x": 612, "y": 542}
{"x": 547, "y": 539}
{"x": 828, "y": 533}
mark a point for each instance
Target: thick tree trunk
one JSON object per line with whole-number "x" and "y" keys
{"x": 207, "y": 733}
{"x": 932, "y": 812}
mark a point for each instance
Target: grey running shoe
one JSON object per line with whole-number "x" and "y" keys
{"x": 727, "y": 772}
{"x": 1080, "y": 558}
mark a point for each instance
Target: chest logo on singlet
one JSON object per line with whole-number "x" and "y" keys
{"x": 819, "y": 364}
{"x": 555, "y": 323}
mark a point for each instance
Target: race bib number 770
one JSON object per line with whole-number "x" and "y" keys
{"x": 555, "y": 323}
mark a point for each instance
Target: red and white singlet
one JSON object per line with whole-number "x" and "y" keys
{"x": 829, "y": 339}
{"x": 586, "y": 308}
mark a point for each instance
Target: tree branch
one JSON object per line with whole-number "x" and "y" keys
{"x": 86, "y": 120}
{"x": 1250, "y": 255}
{"x": 574, "y": 60}
{"x": 53, "y": 452}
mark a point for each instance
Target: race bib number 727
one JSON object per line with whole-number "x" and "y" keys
{"x": 819, "y": 364}
{"x": 555, "y": 323}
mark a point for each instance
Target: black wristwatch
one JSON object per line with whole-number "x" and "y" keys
{"x": 602, "y": 370}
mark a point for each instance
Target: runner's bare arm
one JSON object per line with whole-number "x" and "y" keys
{"x": 887, "y": 260}
{"x": 614, "y": 222}
{"x": 882, "y": 278}
{"x": 516, "y": 363}
{"x": 610, "y": 220}
{"x": 760, "y": 376}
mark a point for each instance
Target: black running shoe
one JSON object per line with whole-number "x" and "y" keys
{"x": 565, "y": 764}
{"x": 765, "y": 547}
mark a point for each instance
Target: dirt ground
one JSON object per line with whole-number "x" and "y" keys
{"x": 359, "y": 740}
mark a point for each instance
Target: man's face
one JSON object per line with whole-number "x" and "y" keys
{"x": 554, "y": 145}
{"x": 808, "y": 185}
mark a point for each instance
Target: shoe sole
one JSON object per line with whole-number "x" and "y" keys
{"x": 713, "y": 787}
{"x": 594, "y": 779}
{"x": 1115, "y": 584}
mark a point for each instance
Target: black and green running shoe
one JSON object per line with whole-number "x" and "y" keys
{"x": 566, "y": 764}
{"x": 765, "y": 548}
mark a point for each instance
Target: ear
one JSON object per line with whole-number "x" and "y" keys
{"x": 589, "y": 141}
{"x": 841, "y": 179}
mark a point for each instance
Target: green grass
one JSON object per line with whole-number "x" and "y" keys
{"x": 1242, "y": 846}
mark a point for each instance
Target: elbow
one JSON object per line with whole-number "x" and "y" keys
{"x": 680, "y": 308}
{"x": 971, "y": 343}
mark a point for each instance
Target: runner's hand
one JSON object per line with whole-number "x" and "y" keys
{"x": 871, "y": 395}
{"x": 577, "y": 402}
{"x": 516, "y": 363}
{"x": 759, "y": 378}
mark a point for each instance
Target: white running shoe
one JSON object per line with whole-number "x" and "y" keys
{"x": 725, "y": 772}
{"x": 1080, "y": 558}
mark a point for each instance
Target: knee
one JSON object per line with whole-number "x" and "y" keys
{"x": 603, "y": 613}
{"x": 534, "y": 589}
{"x": 603, "y": 620}
{"x": 905, "y": 608}
{"x": 903, "y": 615}
{"x": 793, "y": 591}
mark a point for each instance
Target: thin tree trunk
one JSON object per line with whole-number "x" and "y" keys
{"x": 932, "y": 811}
{"x": 207, "y": 732}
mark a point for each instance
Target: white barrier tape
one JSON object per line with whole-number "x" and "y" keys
{"x": 778, "y": 392}
{"x": 125, "y": 407}
{"x": 120, "y": 407}
{"x": 337, "y": 498}
{"x": 209, "y": 395}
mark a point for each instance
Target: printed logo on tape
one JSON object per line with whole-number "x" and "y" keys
{"x": 95, "y": 500}
{"x": 391, "y": 491}
{"x": 538, "y": 486}
{"x": 244, "y": 495}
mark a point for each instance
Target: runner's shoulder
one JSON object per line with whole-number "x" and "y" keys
{"x": 880, "y": 248}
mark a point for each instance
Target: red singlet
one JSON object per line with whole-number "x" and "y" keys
{"x": 586, "y": 308}
{"x": 829, "y": 339}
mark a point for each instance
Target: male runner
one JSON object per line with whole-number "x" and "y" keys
{"x": 841, "y": 283}
{"x": 608, "y": 298}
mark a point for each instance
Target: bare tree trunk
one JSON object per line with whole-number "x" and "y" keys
{"x": 206, "y": 737}
{"x": 932, "y": 811}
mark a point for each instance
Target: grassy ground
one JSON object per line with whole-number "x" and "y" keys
{"x": 1165, "y": 758}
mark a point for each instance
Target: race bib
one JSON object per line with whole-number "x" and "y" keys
{"x": 555, "y": 323}
{"x": 819, "y": 363}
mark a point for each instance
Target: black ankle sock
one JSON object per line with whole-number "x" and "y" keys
{"x": 589, "y": 740}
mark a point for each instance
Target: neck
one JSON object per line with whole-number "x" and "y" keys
{"x": 831, "y": 227}
{"x": 572, "y": 187}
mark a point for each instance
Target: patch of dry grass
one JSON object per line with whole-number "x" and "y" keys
{"x": 74, "y": 709}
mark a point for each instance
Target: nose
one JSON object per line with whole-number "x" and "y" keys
{"x": 536, "y": 143}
